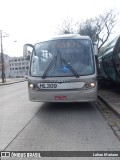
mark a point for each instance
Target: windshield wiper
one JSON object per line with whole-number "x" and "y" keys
{"x": 49, "y": 67}
{"x": 71, "y": 68}
{"x": 64, "y": 61}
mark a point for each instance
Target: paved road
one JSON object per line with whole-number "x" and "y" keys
{"x": 15, "y": 111}
{"x": 37, "y": 126}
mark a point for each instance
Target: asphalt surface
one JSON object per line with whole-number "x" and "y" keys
{"x": 15, "y": 111}
{"x": 66, "y": 127}
{"x": 51, "y": 126}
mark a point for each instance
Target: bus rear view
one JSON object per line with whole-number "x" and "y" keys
{"x": 62, "y": 69}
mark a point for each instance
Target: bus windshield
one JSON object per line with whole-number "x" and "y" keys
{"x": 62, "y": 57}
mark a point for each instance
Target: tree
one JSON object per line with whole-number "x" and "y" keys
{"x": 67, "y": 27}
{"x": 100, "y": 28}
{"x": 88, "y": 28}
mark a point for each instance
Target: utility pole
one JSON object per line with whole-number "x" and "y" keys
{"x": 2, "y": 57}
{"x": 2, "y": 60}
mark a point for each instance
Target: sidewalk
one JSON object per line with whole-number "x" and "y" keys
{"x": 111, "y": 98}
{"x": 11, "y": 81}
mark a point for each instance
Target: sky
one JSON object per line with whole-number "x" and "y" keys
{"x": 30, "y": 21}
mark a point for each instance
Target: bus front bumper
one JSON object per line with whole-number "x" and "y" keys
{"x": 63, "y": 95}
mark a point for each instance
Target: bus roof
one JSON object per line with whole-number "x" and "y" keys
{"x": 71, "y": 36}
{"x": 67, "y": 36}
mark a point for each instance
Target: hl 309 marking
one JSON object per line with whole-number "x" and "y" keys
{"x": 47, "y": 85}
{"x": 61, "y": 85}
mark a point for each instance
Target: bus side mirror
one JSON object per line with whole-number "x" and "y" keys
{"x": 97, "y": 64}
{"x": 95, "y": 49}
{"x": 24, "y": 51}
{"x": 27, "y": 50}
{"x": 28, "y": 57}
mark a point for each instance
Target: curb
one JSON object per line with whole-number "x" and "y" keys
{"x": 110, "y": 106}
{"x": 12, "y": 82}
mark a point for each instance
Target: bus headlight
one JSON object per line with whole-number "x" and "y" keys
{"x": 31, "y": 86}
{"x": 90, "y": 85}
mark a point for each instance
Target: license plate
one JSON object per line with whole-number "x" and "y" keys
{"x": 47, "y": 85}
{"x": 61, "y": 86}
